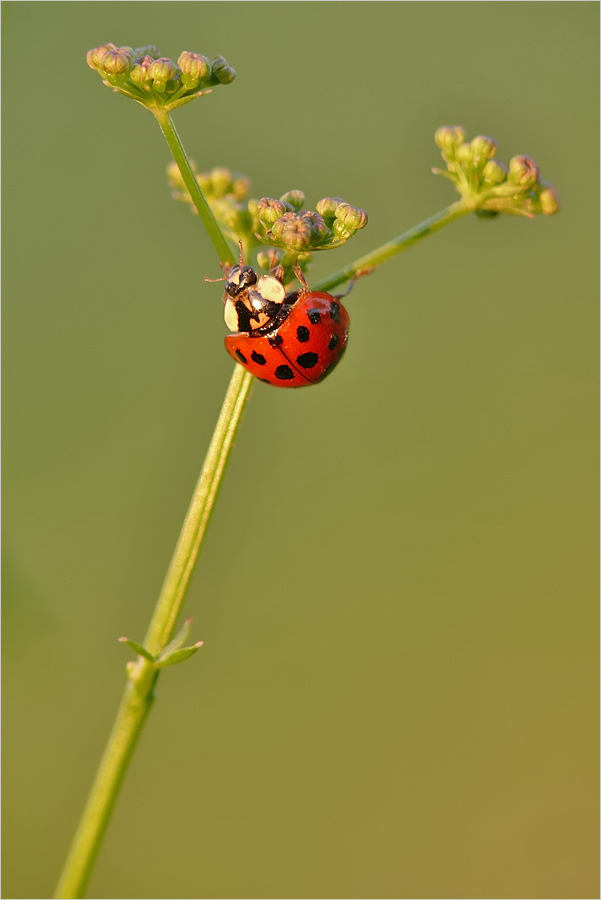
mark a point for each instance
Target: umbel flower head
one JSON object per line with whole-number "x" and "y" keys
{"x": 291, "y": 233}
{"x": 156, "y": 81}
{"x": 488, "y": 186}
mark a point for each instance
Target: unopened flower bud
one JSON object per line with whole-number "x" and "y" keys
{"x": 204, "y": 180}
{"x": 94, "y": 56}
{"x": 222, "y": 71}
{"x": 447, "y": 137}
{"x": 464, "y": 154}
{"x": 317, "y": 225}
{"x": 240, "y": 187}
{"x": 523, "y": 171}
{"x": 342, "y": 231}
{"x": 328, "y": 206}
{"x": 483, "y": 147}
{"x": 549, "y": 202}
{"x": 116, "y": 61}
{"x": 292, "y": 231}
{"x": 221, "y": 181}
{"x": 195, "y": 68}
{"x": 269, "y": 259}
{"x": 161, "y": 71}
{"x": 151, "y": 51}
{"x": 175, "y": 178}
{"x": 494, "y": 172}
{"x": 139, "y": 71}
{"x": 295, "y": 199}
{"x": 351, "y": 216}
{"x": 269, "y": 210}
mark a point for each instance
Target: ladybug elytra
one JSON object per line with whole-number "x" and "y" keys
{"x": 288, "y": 340}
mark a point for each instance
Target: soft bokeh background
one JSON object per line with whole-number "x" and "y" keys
{"x": 397, "y": 694}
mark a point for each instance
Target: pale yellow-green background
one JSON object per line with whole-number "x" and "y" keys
{"x": 397, "y": 696}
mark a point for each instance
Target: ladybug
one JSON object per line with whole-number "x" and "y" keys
{"x": 288, "y": 340}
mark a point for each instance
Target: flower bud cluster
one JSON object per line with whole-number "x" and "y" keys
{"x": 156, "y": 81}
{"x": 284, "y": 225}
{"x": 488, "y": 186}
{"x": 291, "y": 234}
{"x": 226, "y": 193}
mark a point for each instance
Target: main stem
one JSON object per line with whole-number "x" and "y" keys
{"x": 142, "y": 675}
{"x": 137, "y": 698}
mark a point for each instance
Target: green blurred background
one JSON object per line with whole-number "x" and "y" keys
{"x": 397, "y": 696}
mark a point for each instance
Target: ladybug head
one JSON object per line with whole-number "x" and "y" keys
{"x": 253, "y": 305}
{"x": 239, "y": 279}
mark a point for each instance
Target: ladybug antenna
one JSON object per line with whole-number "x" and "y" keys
{"x": 241, "y": 259}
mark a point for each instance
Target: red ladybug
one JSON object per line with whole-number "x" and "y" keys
{"x": 288, "y": 340}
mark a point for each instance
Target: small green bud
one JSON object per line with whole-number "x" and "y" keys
{"x": 241, "y": 187}
{"x": 221, "y": 182}
{"x": 231, "y": 215}
{"x": 292, "y": 231}
{"x": 174, "y": 175}
{"x": 294, "y": 199}
{"x": 317, "y": 225}
{"x": 352, "y": 217}
{"x": 523, "y": 171}
{"x": 151, "y": 51}
{"x": 204, "y": 180}
{"x": 139, "y": 71}
{"x": 94, "y": 56}
{"x": 483, "y": 147}
{"x": 548, "y": 200}
{"x": 116, "y": 61}
{"x": 487, "y": 213}
{"x": 447, "y": 138}
{"x": 222, "y": 71}
{"x": 328, "y": 206}
{"x": 269, "y": 210}
{"x": 161, "y": 71}
{"x": 464, "y": 154}
{"x": 494, "y": 172}
{"x": 342, "y": 231}
{"x": 195, "y": 68}
{"x": 269, "y": 259}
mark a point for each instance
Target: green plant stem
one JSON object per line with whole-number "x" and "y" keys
{"x": 398, "y": 245}
{"x": 224, "y": 251}
{"x": 138, "y": 695}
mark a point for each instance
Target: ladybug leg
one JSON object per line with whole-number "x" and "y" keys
{"x": 225, "y": 267}
{"x": 358, "y": 274}
{"x": 299, "y": 274}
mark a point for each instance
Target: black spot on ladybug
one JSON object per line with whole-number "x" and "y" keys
{"x": 307, "y": 360}
{"x": 275, "y": 340}
{"x": 284, "y": 373}
{"x": 333, "y": 341}
{"x": 303, "y": 334}
{"x": 335, "y": 311}
{"x": 314, "y": 316}
{"x": 241, "y": 356}
{"x": 332, "y": 365}
{"x": 258, "y": 358}
{"x": 265, "y": 380}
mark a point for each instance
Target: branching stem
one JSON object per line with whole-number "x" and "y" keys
{"x": 398, "y": 245}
